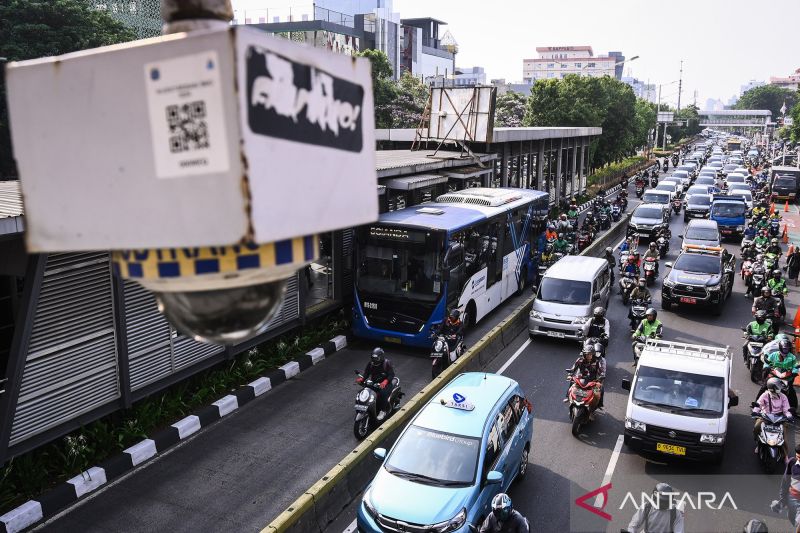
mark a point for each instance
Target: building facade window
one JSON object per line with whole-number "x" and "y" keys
{"x": 551, "y": 65}
{"x": 577, "y": 65}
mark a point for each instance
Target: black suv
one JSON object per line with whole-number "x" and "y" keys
{"x": 701, "y": 276}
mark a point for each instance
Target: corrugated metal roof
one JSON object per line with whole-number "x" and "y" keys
{"x": 10, "y": 199}
{"x": 407, "y": 183}
{"x": 390, "y": 163}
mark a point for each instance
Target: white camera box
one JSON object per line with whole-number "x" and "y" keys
{"x": 200, "y": 139}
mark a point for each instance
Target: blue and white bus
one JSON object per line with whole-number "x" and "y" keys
{"x": 470, "y": 250}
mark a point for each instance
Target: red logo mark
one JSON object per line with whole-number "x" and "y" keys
{"x": 581, "y": 501}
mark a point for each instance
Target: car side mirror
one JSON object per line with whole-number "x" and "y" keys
{"x": 733, "y": 401}
{"x": 626, "y": 384}
{"x": 668, "y": 264}
{"x": 379, "y": 453}
{"x": 494, "y": 478}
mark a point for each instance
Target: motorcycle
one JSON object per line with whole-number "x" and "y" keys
{"x": 367, "y": 415}
{"x": 746, "y": 240}
{"x": 615, "y": 212}
{"x": 627, "y": 281}
{"x": 649, "y": 268}
{"x": 603, "y": 219}
{"x": 747, "y": 271}
{"x": 638, "y": 308}
{"x": 769, "y": 442}
{"x": 624, "y": 182}
{"x": 585, "y": 238}
{"x": 441, "y": 356}
{"x": 582, "y": 401}
{"x": 638, "y": 346}
{"x": 770, "y": 261}
{"x": 774, "y": 227}
{"x": 752, "y": 356}
{"x": 677, "y": 204}
{"x": 639, "y": 189}
{"x": 662, "y": 243}
{"x": 653, "y": 181}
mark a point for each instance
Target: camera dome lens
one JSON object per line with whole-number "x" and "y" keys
{"x": 223, "y": 316}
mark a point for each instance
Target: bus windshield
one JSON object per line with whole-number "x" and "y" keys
{"x": 399, "y": 262}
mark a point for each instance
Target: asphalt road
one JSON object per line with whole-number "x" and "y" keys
{"x": 564, "y": 468}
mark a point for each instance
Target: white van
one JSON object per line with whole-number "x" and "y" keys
{"x": 568, "y": 292}
{"x": 678, "y": 404}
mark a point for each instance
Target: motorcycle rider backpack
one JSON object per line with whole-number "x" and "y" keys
{"x": 673, "y": 514}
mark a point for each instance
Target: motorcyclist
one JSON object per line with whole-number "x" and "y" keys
{"x": 561, "y": 245}
{"x": 640, "y": 292}
{"x": 572, "y": 213}
{"x": 650, "y": 326}
{"x": 781, "y": 308}
{"x": 589, "y": 223}
{"x": 763, "y": 223}
{"x": 748, "y": 252}
{"x": 612, "y": 262}
{"x": 453, "y": 329}
{"x": 773, "y": 402}
{"x": 758, "y": 211}
{"x": 663, "y": 517}
{"x": 759, "y": 330}
{"x": 380, "y": 371}
{"x": 774, "y": 247}
{"x": 783, "y": 364}
{"x": 598, "y": 326}
{"x": 626, "y": 245}
{"x": 550, "y": 233}
{"x": 547, "y": 254}
{"x": 652, "y": 252}
{"x": 630, "y": 268}
{"x": 774, "y": 216}
{"x": 765, "y": 303}
{"x": 503, "y": 518}
{"x": 563, "y": 225}
{"x": 761, "y": 240}
{"x": 750, "y": 231}
{"x": 590, "y": 367}
{"x": 777, "y": 283}
{"x": 789, "y": 494}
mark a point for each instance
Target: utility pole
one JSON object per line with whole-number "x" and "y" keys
{"x": 695, "y": 98}
{"x": 658, "y": 108}
{"x": 680, "y": 84}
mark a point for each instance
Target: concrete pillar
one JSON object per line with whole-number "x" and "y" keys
{"x": 540, "y": 167}
{"x": 581, "y": 151}
{"x": 575, "y": 179}
{"x": 504, "y": 165}
{"x": 560, "y": 153}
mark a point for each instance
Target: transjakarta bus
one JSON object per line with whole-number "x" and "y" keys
{"x": 470, "y": 250}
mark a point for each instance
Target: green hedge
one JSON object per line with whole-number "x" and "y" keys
{"x": 28, "y": 475}
{"x": 609, "y": 175}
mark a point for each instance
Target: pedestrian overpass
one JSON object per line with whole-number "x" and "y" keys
{"x": 737, "y": 119}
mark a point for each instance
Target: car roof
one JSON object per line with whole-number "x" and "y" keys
{"x": 481, "y": 389}
{"x": 702, "y": 223}
{"x": 705, "y": 177}
{"x": 566, "y": 267}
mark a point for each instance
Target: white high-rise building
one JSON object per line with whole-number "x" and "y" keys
{"x": 558, "y": 61}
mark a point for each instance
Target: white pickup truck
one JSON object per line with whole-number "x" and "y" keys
{"x": 679, "y": 402}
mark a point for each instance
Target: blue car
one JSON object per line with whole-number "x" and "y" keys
{"x": 467, "y": 444}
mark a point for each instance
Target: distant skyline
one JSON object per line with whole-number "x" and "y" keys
{"x": 713, "y": 37}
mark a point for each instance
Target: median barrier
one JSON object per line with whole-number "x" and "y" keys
{"x": 321, "y": 503}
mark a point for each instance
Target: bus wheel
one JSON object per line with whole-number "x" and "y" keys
{"x": 523, "y": 281}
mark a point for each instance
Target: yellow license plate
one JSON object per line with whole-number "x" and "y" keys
{"x": 670, "y": 448}
{"x": 393, "y": 339}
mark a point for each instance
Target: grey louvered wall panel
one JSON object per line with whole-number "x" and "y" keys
{"x": 290, "y": 309}
{"x": 148, "y": 333}
{"x": 71, "y": 364}
{"x": 348, "y": 239}
{"x": 189, "y": 351}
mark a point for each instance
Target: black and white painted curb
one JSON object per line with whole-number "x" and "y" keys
{"x": 63, "y": 495}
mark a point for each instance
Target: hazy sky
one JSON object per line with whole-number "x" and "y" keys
{"x": 724, "y": 43}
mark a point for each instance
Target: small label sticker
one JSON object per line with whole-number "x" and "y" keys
{"x": 187, "y": 124}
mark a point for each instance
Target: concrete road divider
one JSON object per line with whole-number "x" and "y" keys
{"x": 322, "y": 502}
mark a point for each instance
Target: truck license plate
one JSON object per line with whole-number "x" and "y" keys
{"x": 557, "y": 334}
{"x": 687, "y": 300}
{"x": 671, "y": 449}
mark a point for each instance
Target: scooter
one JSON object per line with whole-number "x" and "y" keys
{"x": 770, "y": 261}
{"x": 638, "y": 308}
{"x": 653, "y": 181}
{"x": 638, "y": 346}
{"x": 441, "y": 356}
{"x": 662, "y": 243}
{"x": 627, "y": 282}
{"x": 582, "y": 401}
{"x": 752, "y": 356}
{"x": 639, "y": 190}
{"x": 616, "y": 212}
{"x": 757, "y": 280}
{"x": 677, "y": 204}
{"x": 769, "y": 442}
{"x": 774, "y": 227}
{"x": 584, "y": 239}
{"x": 367, "y": 415}
{"x": 649, "y": 269}
{"x": 603, "y": 219}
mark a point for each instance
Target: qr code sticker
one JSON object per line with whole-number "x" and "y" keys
{"x": 188, "y": 129}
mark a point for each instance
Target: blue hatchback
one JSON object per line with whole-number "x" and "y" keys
{"x": 467, "y": 444}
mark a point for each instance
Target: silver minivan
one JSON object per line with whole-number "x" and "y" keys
{"x": 568, "y": 292}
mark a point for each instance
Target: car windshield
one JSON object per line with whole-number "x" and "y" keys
{"x": 656, "y": 198}
{"x": 697, "y": 263}
{"x": 434, "y": 458}
{"x": 728, "y": 210}
{"x": 700, "y": 199}
{"x": 406, "y": 268}
{"x": 698, "y": 189}
{"x": 679, "y": 392}
{"x": 702, "y": 234}
{"x": 565, "y": 291}
{"x": 735, "y": 178}
{"x": 647, "y": 212}
{"x": 784, "y": 181}
{"x": 705, "y": 180}
{"x": 668, "y": 186}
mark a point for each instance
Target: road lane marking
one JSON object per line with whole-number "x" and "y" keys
{"x": 612, "y": 464}
{"x": 513, "y": 357}
{"x": 352, "y": 527}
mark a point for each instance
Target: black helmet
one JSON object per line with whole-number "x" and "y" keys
{"x": 774, "y": 241}
{"x": 761, "y": 316}
{"x": 774, "y": 384}
{"x": 501, "y": 507}
{"x": 455, "y": 313}
{"x": 609, "y": 250}
{"x": 776, "y": 273}
{"x": 599, "y": 312}
{"x": 377, "y": 357}
{"x": 785, "y": 346}
{"x": 651, "y": 311}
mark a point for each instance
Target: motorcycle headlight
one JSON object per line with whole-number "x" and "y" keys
{"x": 451, "y": 525}
{"x": 536, "y": 315}
{"x": 712, "y": 438}
{"x": 635, "y": 425}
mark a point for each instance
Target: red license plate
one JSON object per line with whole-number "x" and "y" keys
{"x": 687, "y": 300}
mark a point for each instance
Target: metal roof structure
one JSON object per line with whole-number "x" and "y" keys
{"x": 500, "y": 135}
{"x": 11, "y": 210}
{"x": 390, "y": 163}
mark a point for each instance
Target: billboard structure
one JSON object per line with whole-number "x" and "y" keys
{"x": 459, "y": 115}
